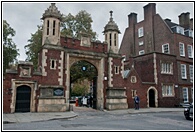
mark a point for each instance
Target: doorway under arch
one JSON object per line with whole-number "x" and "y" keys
{"x": 84, "y": 71}
{"x": 152, "y": 97}
{"x": 23, "y": 99}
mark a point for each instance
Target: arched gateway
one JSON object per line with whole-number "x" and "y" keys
{"x": 50, "y": 90}
{"x": 60, "y": 52}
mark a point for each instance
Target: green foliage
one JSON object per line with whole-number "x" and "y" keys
{"x": 75, "y": 25}
{"x": 79, "y": 88}
{"x": 33, "y": 47}
{"x": 10, "y": 52}
{"x": 77, "y": 72}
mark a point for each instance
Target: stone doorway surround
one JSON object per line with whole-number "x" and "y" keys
{"x": 93, "y": 58}
{"x": 156, "y": 96}
{"x": 15, "y": 85}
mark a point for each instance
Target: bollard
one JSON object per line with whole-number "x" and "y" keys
{"x": 76, "y": 102}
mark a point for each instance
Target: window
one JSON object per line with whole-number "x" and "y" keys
{"x": 183, "y": 71}
{"x": 140, "y": 32}
{"x": 48, "y": 24}
{"x": 110, "y": 39}
{"x": 141, "y": 52}
{"x": 188, "y": 33}
{"x": 52, "y": 64}
{"x": 181, "y": 48}
{"x": 133, "y": 93}
{"x": 165, "y": 48}
{"x": 54, "y": 23}
{"x": 166, "y": 68}
{"x": 180, "y": 30}
{"x": 116, "y": 68}
{"x": 141, "y": 43}
{"x": 185, "y": 94}
{"x": 167, "y": 90}
{"x": 190, "y": 51}
{"x": 191, "y": 72}
{"x": 114, "y": 39}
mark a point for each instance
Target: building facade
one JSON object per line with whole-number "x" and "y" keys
{"x": 154, "y": 60}
{"x": 160, "y": 51}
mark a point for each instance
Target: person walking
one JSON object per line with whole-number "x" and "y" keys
{"x": 136, "y": 101}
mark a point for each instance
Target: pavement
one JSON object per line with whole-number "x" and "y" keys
{"x": 45, "y": 116}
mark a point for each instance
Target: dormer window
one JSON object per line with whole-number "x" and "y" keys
{"x": 188, "y": 33}
{"x": 178, "y": 29}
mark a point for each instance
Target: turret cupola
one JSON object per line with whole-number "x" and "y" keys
{"x": 111, "y": 32}
{"x": 111, "y": 26}
{"x": 51, "y": 25}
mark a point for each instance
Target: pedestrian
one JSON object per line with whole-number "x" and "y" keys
{"x": 136, "y": 102}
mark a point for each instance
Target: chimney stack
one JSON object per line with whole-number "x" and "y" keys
{"x": 149, "y": 11}
{"x": 132, "y": 19}
{"x": 184, "y": 20}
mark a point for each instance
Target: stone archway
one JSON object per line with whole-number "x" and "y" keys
{"x": 152, "y": 97}
{"x": 87, "y": 77}
{"x": 98, "y": 63}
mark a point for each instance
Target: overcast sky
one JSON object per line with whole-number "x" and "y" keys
{"x": 24, "y": 17}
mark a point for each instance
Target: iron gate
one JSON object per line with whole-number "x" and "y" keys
{"x": 23, "y": 98}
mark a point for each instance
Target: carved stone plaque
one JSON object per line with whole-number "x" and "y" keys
{"x": 85, "y": 41}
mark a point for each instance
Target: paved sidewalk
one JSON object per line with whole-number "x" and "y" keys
{"x": 32, "y": 117}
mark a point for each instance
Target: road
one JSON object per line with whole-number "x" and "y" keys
{"x": 99, "y": 120}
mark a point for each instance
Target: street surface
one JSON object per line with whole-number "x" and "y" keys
{"x": 89, "y": 119}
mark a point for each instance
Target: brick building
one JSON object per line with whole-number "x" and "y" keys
{"x": 156, "y": 64}
{"x": 160, "y": 52}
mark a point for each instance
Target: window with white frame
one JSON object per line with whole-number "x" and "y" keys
{"x": 181, "y": 48}
{"x": 185, "y": 94}
{"x": 166, "y": 67}
{"x": 141, "y": 52}
{"x": 180, "y": 30}
{"x": 191, "y": 72}
{"x": 190, "y": 51}
{"x": 183, "y": 71}
{"x": 165, "y": 48}
{"x": 141, "y": 43}
{"x": 167, "y": 90}
{"x": 140, "y": 32}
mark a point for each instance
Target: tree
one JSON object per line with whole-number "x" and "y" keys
{"x": 71, "y": 26}
{"x": 75, "y": 25}
{"x": 80, "y": 88}
{"x": 10, "y": 52}
{"x": 82, "y": 70}
{"x": 35, "y": 44}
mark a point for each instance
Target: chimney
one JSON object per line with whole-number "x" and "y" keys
{"x": 132, "y": 19}
{"x": 191, "y": 24}
{"x": 184, "y": 20}
{"x": 149, "y": 11}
